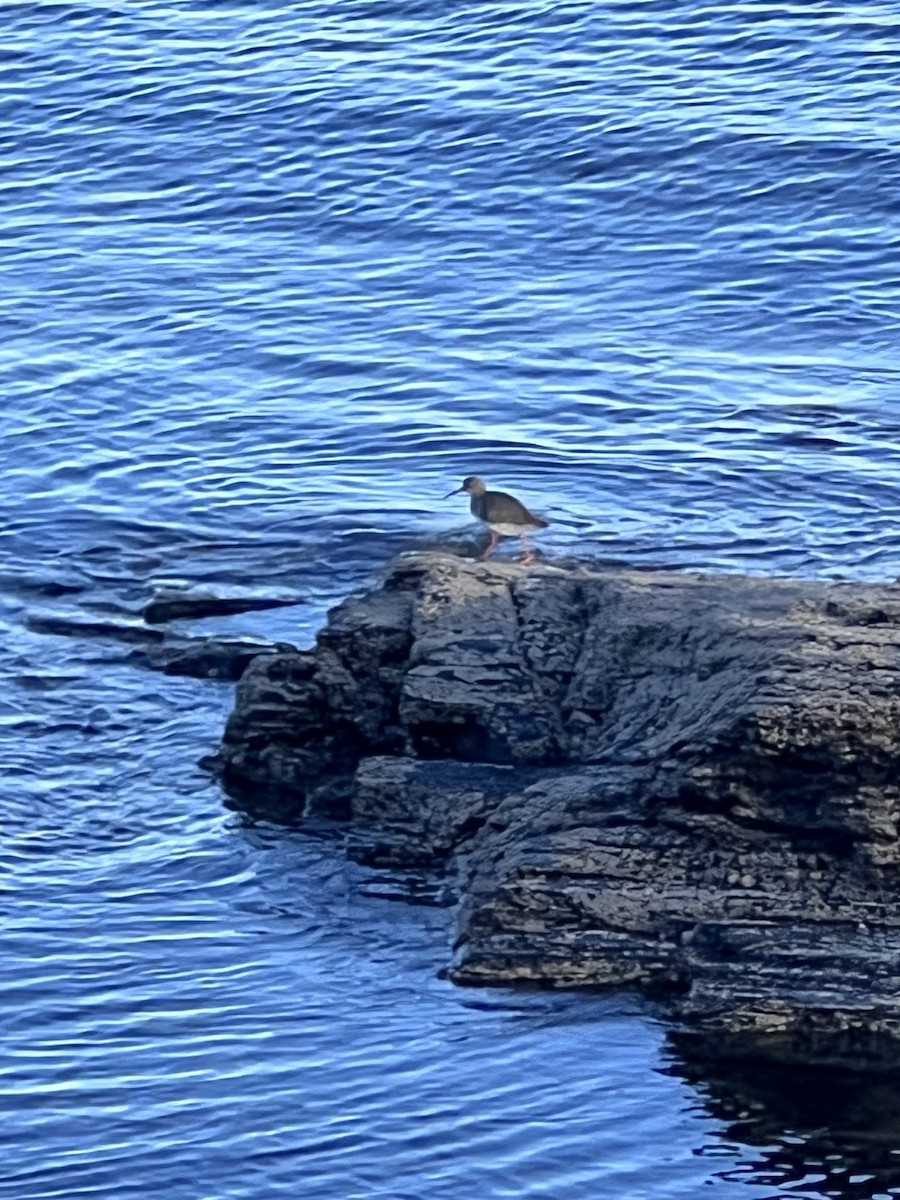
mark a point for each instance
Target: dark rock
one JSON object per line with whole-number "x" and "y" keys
{"x": 411, "y": 813}
{"x": 35, "y": 584}
{"x": 212, "y": 658}
{"x": 85, "y": 627}
{"x": 278, "y": 745}
{"x": 202, "y": 658}
{"x": 468, "y": 689}
{"x": 684, "y": 783}
{"x": 303, "y": 721}
{"x": 171, "y": 605}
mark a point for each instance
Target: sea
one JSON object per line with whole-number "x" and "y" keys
{"x": 274, "y": 276}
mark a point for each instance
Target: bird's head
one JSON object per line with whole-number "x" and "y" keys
{"x": 471, "y": 484}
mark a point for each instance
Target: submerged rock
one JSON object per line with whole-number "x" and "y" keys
{"x": 683, "y": 783}
{"x": 81, "y": 626}
{"x": 211, "y": 658}
{"x": 202, "y": 658}
{"x": 170, "y": 604}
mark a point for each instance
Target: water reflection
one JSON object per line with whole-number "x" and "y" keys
{"x": 819, "y": 1131}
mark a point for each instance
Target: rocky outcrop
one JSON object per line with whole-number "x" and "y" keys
{"x": 683, "y": 783}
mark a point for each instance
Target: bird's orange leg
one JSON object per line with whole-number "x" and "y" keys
{"x": 528, "y": 556}
{"x": 489, "y": 551}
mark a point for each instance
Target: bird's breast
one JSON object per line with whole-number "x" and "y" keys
{"x": 507, "y": 529}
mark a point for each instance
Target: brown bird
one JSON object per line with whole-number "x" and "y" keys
{"x": 503, "y": 514}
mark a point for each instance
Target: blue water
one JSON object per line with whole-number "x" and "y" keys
{"x": 274, "y": 277}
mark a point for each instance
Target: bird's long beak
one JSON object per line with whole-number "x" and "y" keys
{"x": 455, "y": 492}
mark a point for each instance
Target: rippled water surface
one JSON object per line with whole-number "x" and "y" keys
{"x": 274, "y": 278}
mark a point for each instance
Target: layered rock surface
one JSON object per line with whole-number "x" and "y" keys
{"x": 684, "y": 783}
